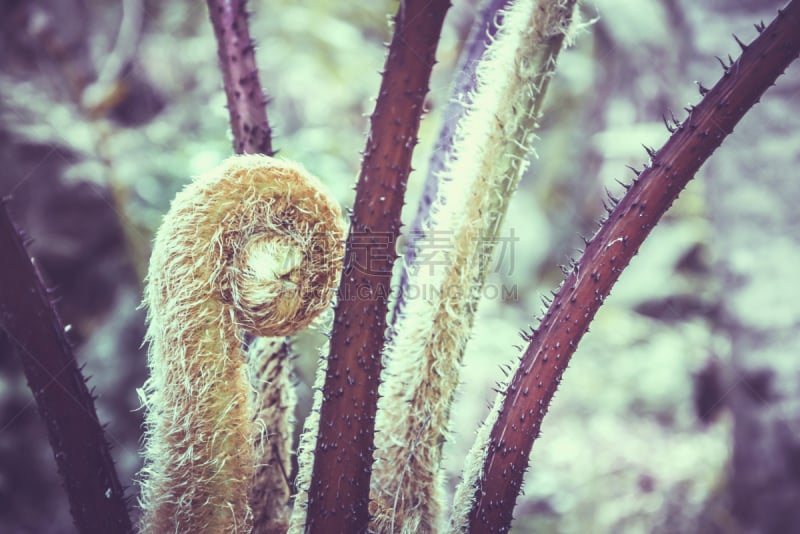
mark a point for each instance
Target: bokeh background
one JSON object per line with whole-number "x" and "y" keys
{"x": 680, "y": 411}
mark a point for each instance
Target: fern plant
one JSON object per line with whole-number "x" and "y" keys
{"x": 257, "y": 246}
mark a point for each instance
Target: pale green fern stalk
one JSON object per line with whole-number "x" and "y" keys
{"x": 305, "y": 451}
{"x": 308, "y": 439}
{"x": 494, "y": 141}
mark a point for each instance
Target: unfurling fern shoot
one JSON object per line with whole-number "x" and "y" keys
{"x": 253, "y": 246}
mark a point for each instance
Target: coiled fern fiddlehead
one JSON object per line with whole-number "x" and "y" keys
{"x": 254, "y": 246}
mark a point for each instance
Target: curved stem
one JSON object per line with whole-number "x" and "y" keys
{"x": 252, "y": 246}
{"x": 493, "y": 476}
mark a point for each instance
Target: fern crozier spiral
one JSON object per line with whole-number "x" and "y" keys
{"x": 255, "y": 246}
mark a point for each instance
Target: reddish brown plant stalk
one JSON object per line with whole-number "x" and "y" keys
{"x": 339, "y": 491}
{"x": 528, "y": 395}
{"x": 237, "y": 61}
{"x": 64, "y": 402}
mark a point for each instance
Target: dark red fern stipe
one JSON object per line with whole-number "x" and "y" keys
{"x": 62, "y": 397}
{"x": 339, "y": 493}
{"x": 237, "y": 61}
{"x": 528, "y": 395}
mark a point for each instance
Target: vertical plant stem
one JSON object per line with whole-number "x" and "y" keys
{"x": 64, "y": 402}
{"x": 493, "y": 476}
{"x": 494, "y": 139}
{"x": 481, "y": 35}
{"x": 237, "y": 61}
{"x": 273, "y": 401}
{"x": 339, "y": 490}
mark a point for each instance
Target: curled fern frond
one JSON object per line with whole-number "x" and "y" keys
{"x": 254, "y": 246}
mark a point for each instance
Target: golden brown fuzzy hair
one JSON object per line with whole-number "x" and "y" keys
{"x": 255, "y": 246}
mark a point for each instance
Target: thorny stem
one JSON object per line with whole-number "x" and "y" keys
{"x": 339, "y": 490}
{"x": 528, "y": 395}
{"x": 64, "y": 401}
{"x": 423, "y": 359}
{"x": 237, "y": 61}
